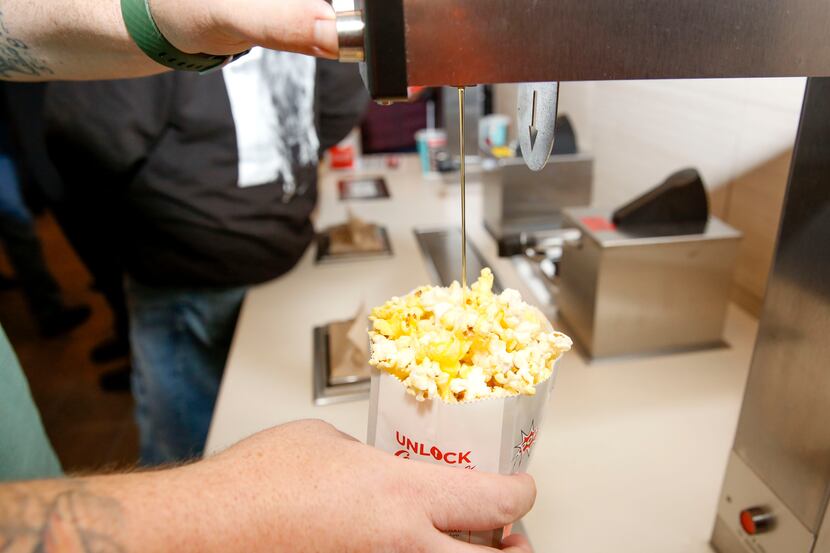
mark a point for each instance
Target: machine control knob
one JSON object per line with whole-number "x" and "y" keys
{"x": 757, "y": 520}
{"x": 350, "y": 26}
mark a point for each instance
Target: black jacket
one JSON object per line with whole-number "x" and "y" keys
{"x": 162, "y": 151}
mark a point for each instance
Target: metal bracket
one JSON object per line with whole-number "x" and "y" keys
{"x": 536, "y": 118}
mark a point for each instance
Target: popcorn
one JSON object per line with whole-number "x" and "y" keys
{"x": 464, "y": 344}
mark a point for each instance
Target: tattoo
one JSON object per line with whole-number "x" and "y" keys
{"x": 69, "y": 521}
{"x": 16, "y": 58}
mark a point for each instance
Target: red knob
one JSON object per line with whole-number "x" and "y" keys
{"x": 756, "y": 520}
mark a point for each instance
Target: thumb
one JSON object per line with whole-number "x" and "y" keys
{"x": 460, "y": 499}
{"x": 303, "y": 26}
{"x": 516, "y": 543}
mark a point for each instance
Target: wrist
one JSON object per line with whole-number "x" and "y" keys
{"x": 197, "y": 26}
{"x": 143, "y": 26}
{"x": 238, "y": 509}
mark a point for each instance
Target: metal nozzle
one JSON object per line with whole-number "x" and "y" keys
{"x": 350, "y": 27}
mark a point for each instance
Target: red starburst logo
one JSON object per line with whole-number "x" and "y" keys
{"x": 522, "y": 449}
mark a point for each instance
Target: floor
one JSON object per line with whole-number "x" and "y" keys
{"x": 90, "y": 430}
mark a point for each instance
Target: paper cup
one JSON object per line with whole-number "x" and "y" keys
{"x": 492, "y": 435}
{"x": 429, "y": 142}
{"x": 492, "y": 131}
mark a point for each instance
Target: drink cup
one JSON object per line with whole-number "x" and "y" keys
{"x": 429, "y": 142}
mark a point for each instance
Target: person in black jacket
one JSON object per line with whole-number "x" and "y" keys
{"x": 215, "y": 180}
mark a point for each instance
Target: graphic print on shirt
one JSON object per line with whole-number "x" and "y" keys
{"x": 272, "y": 101}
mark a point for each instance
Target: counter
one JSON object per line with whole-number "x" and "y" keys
{"x": 633, "y": 451}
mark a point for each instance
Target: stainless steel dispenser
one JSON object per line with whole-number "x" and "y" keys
{"x": 775, "y": 494}
{"x": 466, "y": 42}
{"x": 777, "y": 485}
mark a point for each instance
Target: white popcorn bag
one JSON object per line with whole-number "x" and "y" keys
{"x": 492, "y": 434}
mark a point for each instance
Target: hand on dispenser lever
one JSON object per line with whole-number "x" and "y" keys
{"x": 302, "y": 486}
{"x": 223, "y": 27}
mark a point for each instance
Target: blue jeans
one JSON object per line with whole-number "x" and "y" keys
{"x": 11, "y": 200}
{"x": 180, "y": 340}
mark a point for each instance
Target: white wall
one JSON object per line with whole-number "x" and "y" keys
{"x": 641, "y": 131}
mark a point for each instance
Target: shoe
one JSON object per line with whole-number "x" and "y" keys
{"x": 110, "y": 350}
{"x": 65, "y": 320}
{"x": 7, "y": 283}
{"x": 116, "y": 380}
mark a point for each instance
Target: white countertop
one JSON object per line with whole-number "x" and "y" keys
{"x": 633, "y": 452}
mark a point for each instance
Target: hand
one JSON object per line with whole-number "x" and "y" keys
{"x": 306, "y": 486}
{"x": 516, "y": 543}
{"x": 230, "y": 26}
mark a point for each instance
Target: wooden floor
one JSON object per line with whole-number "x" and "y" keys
{"x": 90, "y": 430}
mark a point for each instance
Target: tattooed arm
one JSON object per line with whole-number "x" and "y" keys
{"x": 87, "y": 39}
{"x": 302, "y": 486}
{"x": 60, "y": 515}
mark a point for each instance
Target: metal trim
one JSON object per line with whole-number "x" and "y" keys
{"x": 350, "y": 36}
{"x": 323, "y": 393}
{"x": 429, "y": 256}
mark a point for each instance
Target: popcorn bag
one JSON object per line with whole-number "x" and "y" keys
{"x": 492, "y": 435}
{"x": 463, "y": 379}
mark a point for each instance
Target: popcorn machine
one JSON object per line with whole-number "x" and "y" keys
{"x": 777, "y": 485}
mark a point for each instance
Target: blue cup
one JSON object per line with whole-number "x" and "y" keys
{"x": 428, "y": 143}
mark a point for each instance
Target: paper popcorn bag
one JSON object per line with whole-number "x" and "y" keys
{"x": 492, "y": 435}
{"x": 463, "y": 376}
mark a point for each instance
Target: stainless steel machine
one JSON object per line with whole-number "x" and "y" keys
{"x": 652, "y": 277}
{"x": 624, "y": 294}
{"x": 775, "y": 494}
{"x": 777, "y": 485}
{"x": 467, "y": 42}
{"x": 518, "y": 201}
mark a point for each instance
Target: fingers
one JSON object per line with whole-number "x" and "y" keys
{"x": 515, "y": 543}
{"x": 458, "y": 499}
{"x": 325, "y": 38}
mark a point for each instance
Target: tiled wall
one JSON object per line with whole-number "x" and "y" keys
{"x": 642, "y": 131}
{"x": 736, "y": 132}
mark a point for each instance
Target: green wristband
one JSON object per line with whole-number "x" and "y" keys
{"x": 147, "y": 36}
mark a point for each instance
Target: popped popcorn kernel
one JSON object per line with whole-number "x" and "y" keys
{"x": 464, "y": 344}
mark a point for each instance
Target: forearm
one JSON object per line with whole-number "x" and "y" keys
{"x": 300, "y": 486}
{"x": 185, "y": 509}
{"x": 87, "y": 39}
{"x": 68, "y": 39}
